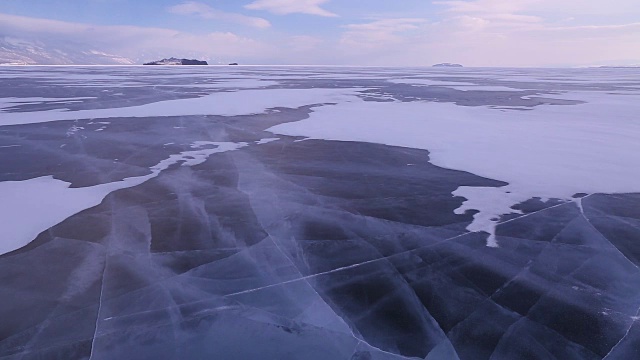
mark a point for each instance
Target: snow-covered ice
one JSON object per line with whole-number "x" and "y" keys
{"x": 548, "y": 152}
{"x": 242, "y": 102}
{"x": 13, "y": 101}
{"x": 266, "y": 141}
{"x": 428, "y": 82}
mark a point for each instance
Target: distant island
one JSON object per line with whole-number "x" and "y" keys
{"x": 175, "y": 61}
{"x": 448, "y": 65}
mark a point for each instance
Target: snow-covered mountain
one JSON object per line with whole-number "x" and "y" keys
{"x": 26, "y": 52}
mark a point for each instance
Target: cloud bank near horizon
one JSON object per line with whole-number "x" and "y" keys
{"x": 475, "y": 33}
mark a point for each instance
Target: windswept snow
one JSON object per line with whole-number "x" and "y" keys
{"x": 31, "y": 206}
{"x": 14, "y": 101}
{"x": 266, "y": 141}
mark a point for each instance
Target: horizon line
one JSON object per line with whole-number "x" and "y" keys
{"x": 326, "y": 65}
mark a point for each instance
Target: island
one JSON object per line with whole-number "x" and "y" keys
{"x": 448, "y": 65}
{"x": 176, "y": 61}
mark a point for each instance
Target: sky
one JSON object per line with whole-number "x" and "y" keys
{"x": 519, "y": 33}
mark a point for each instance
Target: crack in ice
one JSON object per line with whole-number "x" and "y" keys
{"x": 348, "y": 267}
{"x": 635, "y": 320}
{"x": 609, "y": 241}
{"x": 100, "y": 297}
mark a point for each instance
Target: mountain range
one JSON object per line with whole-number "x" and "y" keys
{"x": 15, "y": 51}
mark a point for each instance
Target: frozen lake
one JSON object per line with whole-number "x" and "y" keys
{"x": 319, "y": 213}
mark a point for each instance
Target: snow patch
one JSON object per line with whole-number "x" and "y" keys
{"x": 243, "y": 102}
{"x": 484, "y": 88}
{"x": 32, "y": 206}
{"x": 427, "y": 82}
{"x": 14, "y": 101}
{"x": 266, "y": 141}
{"x": 73, "y": 130}
{"x": 548, "y": 152}
{"x": 491, "y": 203}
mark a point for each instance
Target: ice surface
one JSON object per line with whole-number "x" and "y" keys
{"x": 484, "y": 88}
{"x": 11, "y": 102}
{"x": 148, "y": 224}
{"x": 462, "y": 86}
{"x": 428, "y": 82}
{"x": 31, "y": 206}
{"x": 549, "y": 152}
{"x": 223, "y": 103}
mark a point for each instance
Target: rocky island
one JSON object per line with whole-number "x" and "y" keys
{"x": 175, "y": 61}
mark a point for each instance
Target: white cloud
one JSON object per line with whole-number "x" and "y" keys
{"x": 379, "y": 32}
{"x": 207, "y": 12}
{"x": 474, "y": 33}
{"x": 486, "y": 6}
{"x": 284, "y": 7}
{"x": 534, "y": 32}
{"x": 381, "y": 42}
{"x": 477, "y": 41}
{"x": 587, "y": 7}
{"x": 566, "y": 7}
{"x": 138, "y": 43}
{"x": 491, "y": 33}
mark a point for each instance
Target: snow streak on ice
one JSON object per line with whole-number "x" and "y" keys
{"x": 31, "y": 206}
{"x": 243, "y": 102}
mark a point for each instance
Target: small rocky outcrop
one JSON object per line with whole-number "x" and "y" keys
{"x": 175, "y": 61}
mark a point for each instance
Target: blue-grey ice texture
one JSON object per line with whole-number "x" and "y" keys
{"x": 290, "y": 249}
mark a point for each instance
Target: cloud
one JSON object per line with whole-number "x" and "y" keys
{"x": 207, "y": 12}
{"x": 138, "y": 43}
{"x": 535, "y": 32}
{"x": 474, "y": 33}
{"x": 566, "y": 7}
{"x": 486, "y": 6}
{"x": 498, "y": 33}
{"x": 284, "y": 7}
{"x": 379, "y": 32}
{"x": 381, "y": 42}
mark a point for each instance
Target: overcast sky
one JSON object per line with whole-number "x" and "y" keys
{"x": 344, "y": 32}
